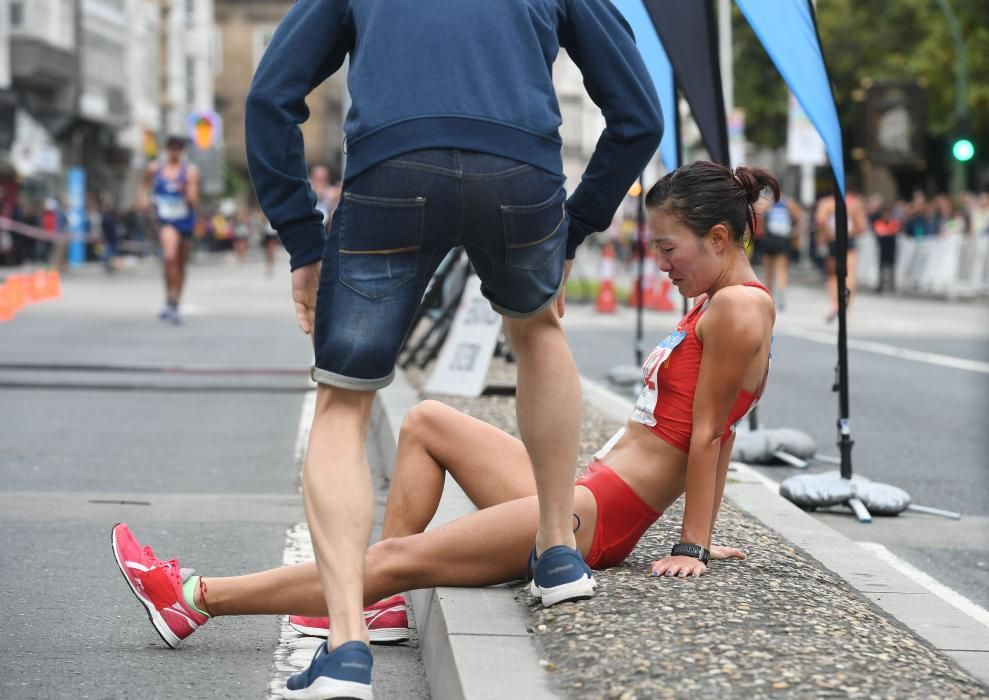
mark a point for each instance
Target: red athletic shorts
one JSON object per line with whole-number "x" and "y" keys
{"x": 622, "y": 516}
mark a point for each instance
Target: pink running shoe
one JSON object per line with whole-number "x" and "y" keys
{"x": 387, "y": 622}
{"x": 158, "y": 585}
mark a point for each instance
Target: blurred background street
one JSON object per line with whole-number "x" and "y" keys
{"x": 192, "y": 429}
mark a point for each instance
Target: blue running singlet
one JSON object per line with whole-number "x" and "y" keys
{"x": 170, "y": 201}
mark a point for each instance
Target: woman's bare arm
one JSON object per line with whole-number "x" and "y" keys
{"x": 732, "y": 332}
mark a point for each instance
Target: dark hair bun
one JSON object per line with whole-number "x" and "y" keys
{"x": 755, "y": 181}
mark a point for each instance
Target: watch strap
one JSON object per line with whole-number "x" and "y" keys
{"x": 683, "y": 549}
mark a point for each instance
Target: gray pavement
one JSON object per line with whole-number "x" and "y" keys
{"x": 202, "y": 464}
{"x": 916, "y": 425}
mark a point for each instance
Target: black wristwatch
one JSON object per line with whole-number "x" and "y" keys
{"x": 690, "y": 550}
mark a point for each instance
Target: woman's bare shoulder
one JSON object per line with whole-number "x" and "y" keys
{"x": 740, "y": 314}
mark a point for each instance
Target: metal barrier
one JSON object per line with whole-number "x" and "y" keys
{"x": 141, "y": 247}
{"x": 952, "y": 265}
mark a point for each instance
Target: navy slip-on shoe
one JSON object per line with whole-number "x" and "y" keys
{"x": 559, "y": 575}
{"x": 344, "y": 672}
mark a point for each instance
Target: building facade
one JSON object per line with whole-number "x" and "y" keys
{"x": 245, "y": 28}
{"x": 39, "y": 85}
{"x": 582, "y": 121}
{"x": 98, "y": 84}
{"x": 144, "y": 81}
{"x": 189, "y": 61}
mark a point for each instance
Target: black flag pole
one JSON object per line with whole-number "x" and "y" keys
{"x": 845, "y": 441}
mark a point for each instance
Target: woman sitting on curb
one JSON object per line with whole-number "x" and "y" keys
{"x": 700, "y": 381}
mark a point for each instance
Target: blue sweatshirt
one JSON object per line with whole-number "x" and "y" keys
{"x": 465, "y": 74}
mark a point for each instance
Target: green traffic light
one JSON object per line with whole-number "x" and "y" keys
{"x": 963, "y": 150}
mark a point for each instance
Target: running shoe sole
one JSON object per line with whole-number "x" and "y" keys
{"x": 382, "y": 635}
{"x": 581, "y": 589}
{"x": 161, "y": 627}
{"x": 324, "y": 688}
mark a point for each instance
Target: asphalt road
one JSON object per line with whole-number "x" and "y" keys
{"x": 200, "y": 463}
{"x": 917, "y": 425}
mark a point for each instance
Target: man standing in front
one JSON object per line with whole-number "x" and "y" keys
{"x": 452, "y": 139}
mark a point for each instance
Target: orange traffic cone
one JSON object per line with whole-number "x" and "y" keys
{"x": 661, "y": 300}
{"x": 39, "y": 285}
{"x": 15, "y": 292}
{"x": 648, "y": 283}
{"x": 54, "y": 284}
{"x": 607, "y": 302}
{"x": 27, "y": 284}
{"x": 6, "y": 307}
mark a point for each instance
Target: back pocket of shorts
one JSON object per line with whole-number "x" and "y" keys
{"x": 534, "y": 232}
{"x": 380, "y": 240}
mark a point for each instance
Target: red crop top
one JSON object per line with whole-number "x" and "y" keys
{"x": 666, "y": 403}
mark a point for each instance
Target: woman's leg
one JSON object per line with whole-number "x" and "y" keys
{"x": 480, "y": 549}
{"x": 490, "y": 466}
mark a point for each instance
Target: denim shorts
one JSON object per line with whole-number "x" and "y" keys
{"x": 394, "y": 225}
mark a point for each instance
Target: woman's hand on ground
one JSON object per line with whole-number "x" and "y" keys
{"x": 678, "y": 566}
{"x": 719, "y": 552}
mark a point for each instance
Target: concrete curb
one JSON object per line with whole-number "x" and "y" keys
{"x": 474, "y": 641}
{"x": 941, "y": 624}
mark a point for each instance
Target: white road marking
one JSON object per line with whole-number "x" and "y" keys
{"x": 743, "y": 468}
{"x": 294, "y": 651}
{"x": 966, "y": 606}
{"x": 931, "y": 358}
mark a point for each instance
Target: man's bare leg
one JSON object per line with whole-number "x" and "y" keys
{"x": 171, "y": 244}
{"x": 548, "y": 405}
{"x": 339, "y": 504}
{"x": 182, "y": 259}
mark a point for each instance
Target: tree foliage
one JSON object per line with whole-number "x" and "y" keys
{"x": 890, "y": 40}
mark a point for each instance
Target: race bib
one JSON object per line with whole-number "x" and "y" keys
{"x": 778, "y": 221}
{"x": 171, "y": 207}
{"x": 645, "y": 405}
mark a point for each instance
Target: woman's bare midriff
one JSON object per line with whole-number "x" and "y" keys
{"x": 653, "y": 468}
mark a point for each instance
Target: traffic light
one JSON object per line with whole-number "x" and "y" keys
{"x": 963, "y": 150}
